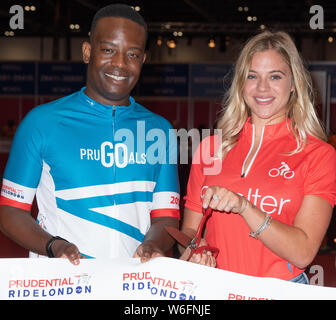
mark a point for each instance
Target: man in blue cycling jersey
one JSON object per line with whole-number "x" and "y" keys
{"x": 96, "y": 160}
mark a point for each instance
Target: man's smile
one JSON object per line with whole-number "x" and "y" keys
{"x": 115, "y": 77}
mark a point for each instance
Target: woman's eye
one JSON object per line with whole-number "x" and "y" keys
{"x": 251, "y": 76}
{"x": 275, "y": 77}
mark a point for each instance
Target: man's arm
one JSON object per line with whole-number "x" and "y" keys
{"x": 20, "y": 226}
{"x": 157, "y": 240}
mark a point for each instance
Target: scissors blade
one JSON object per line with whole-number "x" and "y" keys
{"x": 179, "y": 236}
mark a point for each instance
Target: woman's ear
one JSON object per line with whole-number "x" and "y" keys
{"x": 292, "y": 85}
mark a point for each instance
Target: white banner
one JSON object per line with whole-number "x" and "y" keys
{"x": 128, "y": 279}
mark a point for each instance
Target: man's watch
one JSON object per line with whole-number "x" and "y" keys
{"x": 50, "y": 254}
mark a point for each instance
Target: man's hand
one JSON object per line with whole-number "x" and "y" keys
{"x": 64, "y": 249}
{"x": 148, "y": 250}
{"x": 157, "y": 241}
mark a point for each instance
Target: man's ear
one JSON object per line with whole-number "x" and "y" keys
{"x": 144, "y": 58}
{"x": 86, "y": 51}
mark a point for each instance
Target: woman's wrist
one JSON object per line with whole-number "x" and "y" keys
{"x": 244, "y": 207}
{"x": 244, "y": 212}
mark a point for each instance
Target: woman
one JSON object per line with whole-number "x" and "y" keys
{"x": 273, "y": 199}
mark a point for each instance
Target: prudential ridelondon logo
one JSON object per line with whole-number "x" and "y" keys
{"x": 50, "y": 288}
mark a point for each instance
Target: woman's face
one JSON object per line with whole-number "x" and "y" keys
{"x": 267, "y": 88}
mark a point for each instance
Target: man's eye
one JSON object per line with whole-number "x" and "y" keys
{"x": 133, "y": 55}
{"x": 107, "y": 50}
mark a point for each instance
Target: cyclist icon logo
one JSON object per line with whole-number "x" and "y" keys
{"x": 283, "y": 170}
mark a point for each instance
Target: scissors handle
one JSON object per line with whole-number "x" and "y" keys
{"x": 194, "y": 245}
{"x": 201, "y": 249}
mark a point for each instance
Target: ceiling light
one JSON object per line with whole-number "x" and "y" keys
{"x": 246, "y": 9}
{"x": 9, "y": 33}
{"x": 240, "y": 9}
{"x": 32, "y": 8}
{"x": 249, "y": 18}
{"x": 74, "y": 26}
{"x": 159, "y": 41}
{"x": 177, "y": 33}
{"x": 27, "y": 8}
{"x": 212, "y": 43}
{"x": 171, "y": 43}
{"x": 330, "y": 39}
{"x": 137, "y": 8}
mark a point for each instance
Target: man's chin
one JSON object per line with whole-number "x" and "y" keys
{"x": 117, "y": 99}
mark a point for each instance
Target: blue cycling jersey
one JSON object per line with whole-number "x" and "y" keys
{"x": 99, "y": 172}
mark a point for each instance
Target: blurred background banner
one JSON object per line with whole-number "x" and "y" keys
{"x": 163, "y": 80}
{"x": 17, "y": 78}
{"x": 60, "y": 78}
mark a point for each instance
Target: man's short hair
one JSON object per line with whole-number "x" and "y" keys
{"x": 119, "y": 11}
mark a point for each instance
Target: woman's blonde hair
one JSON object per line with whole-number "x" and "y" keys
{"x": 301, "y": 112}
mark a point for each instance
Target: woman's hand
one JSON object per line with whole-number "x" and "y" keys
{"x": 222, "y": 199}
{"x": 206, "y": 258}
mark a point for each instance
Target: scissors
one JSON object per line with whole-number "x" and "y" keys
{"x": 193, "y": 243}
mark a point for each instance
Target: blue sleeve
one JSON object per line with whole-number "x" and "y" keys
{"x": 24, "y": 164}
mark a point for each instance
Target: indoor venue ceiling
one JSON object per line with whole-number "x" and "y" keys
{"x": 64, "y": 18}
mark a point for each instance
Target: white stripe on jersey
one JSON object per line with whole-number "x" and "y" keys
{"x": 105, "y": 189}
{"x": 98, "y": 238}
{"x": 17, "y": 192}
{"x": 133, "y": 214}
{"x": 166, "y": 200}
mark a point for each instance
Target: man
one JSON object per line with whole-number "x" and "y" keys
{"x": 86, "y": 157}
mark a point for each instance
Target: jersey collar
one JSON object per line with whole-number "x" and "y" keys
{"x": 105, "y": 109}
{"x": 271, "y": 131}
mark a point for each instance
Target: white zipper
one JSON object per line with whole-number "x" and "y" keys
{"x": 244, "y": 174}
{"x": 113, "y": 133}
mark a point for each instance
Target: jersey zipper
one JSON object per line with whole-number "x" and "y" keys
{"x": 113, "y": 133}
{"x": 113, "y": 238}
{"x": 245, "y": 172}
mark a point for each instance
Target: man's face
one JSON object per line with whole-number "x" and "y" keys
{"x": 115, "y": 57}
